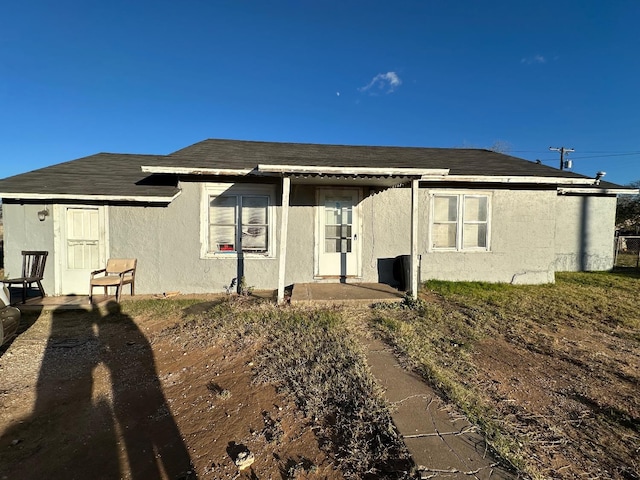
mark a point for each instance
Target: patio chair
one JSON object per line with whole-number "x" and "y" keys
{"x": 33, "y": 263}
{"x": 119, "y": 272}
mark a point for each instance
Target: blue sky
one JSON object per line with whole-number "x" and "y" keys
{"x": 78, "y": 78}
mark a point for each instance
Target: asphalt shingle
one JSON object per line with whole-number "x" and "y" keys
{"x": 121, "y": 175}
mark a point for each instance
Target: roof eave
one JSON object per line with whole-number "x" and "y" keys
{"x": 351, "y": 171}
{"x": 98, "y": 197}
{"x": 196, "y": 170}
{"x": 604, "y": 191}
{"x": 509, "y": 179}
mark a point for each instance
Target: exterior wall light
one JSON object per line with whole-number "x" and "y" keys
{"x": 42, "y": 214}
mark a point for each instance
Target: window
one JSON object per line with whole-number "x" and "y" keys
{"x": 460, "y": 222}
{"x": 237, "y": 220}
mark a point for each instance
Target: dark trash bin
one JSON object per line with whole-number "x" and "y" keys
{"x": 402, "y": 271}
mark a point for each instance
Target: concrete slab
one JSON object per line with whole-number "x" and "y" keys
{"x": 64, "y": 302}
{"x": 455, "y": 456}
{"x": 426, "y": 415}
{"x": 398, "y": 383}
{"x": 348, "y": 293}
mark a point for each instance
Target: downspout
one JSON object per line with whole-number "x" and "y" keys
{"x": 284, "y": 226}
{"x": 414, "y": 239}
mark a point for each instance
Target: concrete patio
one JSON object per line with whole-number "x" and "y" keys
{"x": 317, "y": 293}
{"x": 351, "y": 293}
{"x": 62, "y": 302}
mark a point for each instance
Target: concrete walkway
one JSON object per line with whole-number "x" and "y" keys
{"x": 442, "y": 444}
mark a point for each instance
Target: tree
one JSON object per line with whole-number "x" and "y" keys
{"x": 628, "y": 211}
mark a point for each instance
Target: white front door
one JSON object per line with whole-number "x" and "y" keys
{"x": 338, "y": 244}
{"x": 82, "y": 247}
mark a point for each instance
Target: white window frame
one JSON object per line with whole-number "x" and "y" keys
{"x": 460, "y": 221}
{"x": 210, "y": 190}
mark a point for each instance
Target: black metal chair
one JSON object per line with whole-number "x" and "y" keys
{"x": 33, "y": 263}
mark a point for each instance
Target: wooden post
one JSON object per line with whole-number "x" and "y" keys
{"x": 282, "y": 237}
{"x": 414, "y": 238}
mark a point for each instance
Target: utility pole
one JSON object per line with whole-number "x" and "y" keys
{"x": 562, "y": 151}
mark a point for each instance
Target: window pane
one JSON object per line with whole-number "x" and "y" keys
{"x": 346, "y": 216}
{"x": 254, "y": 210}
{"x": 331, "y": 246}
{"x": 332, "y": 231}
{"x": 445, "y": 208}
{"x": 474, "y": 235}
{"x": 338, "y": 211}
{"x": 444, "y": 235}
{"x": 222, "y": 210}
{"x": 332, "y": 216}
{"x": 254, "y": 239}
{"x": 337, "y": 245}
{"x": 222, "y": 238}
{"x": 475, "y": 209}
{"x": 337, "y": 231}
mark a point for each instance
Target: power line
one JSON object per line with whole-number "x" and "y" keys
{"x": 562, "y": 151}
{"x": 600, "y": 154}
{"x": 623, "y": 152}
{"x": 610, "y": 155}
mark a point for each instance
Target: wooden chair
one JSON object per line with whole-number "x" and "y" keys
{"x": 33, "y": 263}
{"x": 119, "y": 272}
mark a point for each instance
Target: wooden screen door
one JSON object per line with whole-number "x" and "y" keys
{"x": 82, "y": 247}
{"x": 338, "y": 245}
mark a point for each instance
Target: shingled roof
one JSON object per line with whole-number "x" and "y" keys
{"x": 104, "y": 176}
{"x": 460, "y": 161}
{"x": 109, "y": 176}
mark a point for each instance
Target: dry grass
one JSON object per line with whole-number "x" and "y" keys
{"x": 310, "y": 354}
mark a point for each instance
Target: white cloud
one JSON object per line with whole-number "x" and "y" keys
{"x": 385, "y": 82}
{"x": 533, "y": 59}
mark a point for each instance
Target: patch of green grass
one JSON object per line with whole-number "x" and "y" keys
{"x": 627, "y": 259}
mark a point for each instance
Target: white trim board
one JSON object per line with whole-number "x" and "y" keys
{"x": 68, "y": 196}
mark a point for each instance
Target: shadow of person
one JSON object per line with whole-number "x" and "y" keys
{"x": 154, "y": 446}
{"x": 70, "y": 432}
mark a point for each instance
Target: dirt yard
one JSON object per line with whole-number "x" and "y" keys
{"x": 104, "y": 396}
{"x": 550, "y": 372}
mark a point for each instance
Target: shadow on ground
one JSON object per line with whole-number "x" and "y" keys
{"x": 120, "y": 425}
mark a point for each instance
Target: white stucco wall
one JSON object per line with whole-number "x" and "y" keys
{"x": 522, "y": 238}
{"x": 23, "y": 231}
{"x": 301, "y": 234}
{"x": 533, "y": 234}
{"x": 521, "y": 246}
{"x": 166, "y": 242}
{"x": 584, "y": 233}
{"x": 384, "y": 233}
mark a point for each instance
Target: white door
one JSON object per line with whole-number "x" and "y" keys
{"x": 338, "y": 245}
{"x": 82, "y": 247}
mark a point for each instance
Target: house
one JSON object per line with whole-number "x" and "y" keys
{"x": 285, "y": 213}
